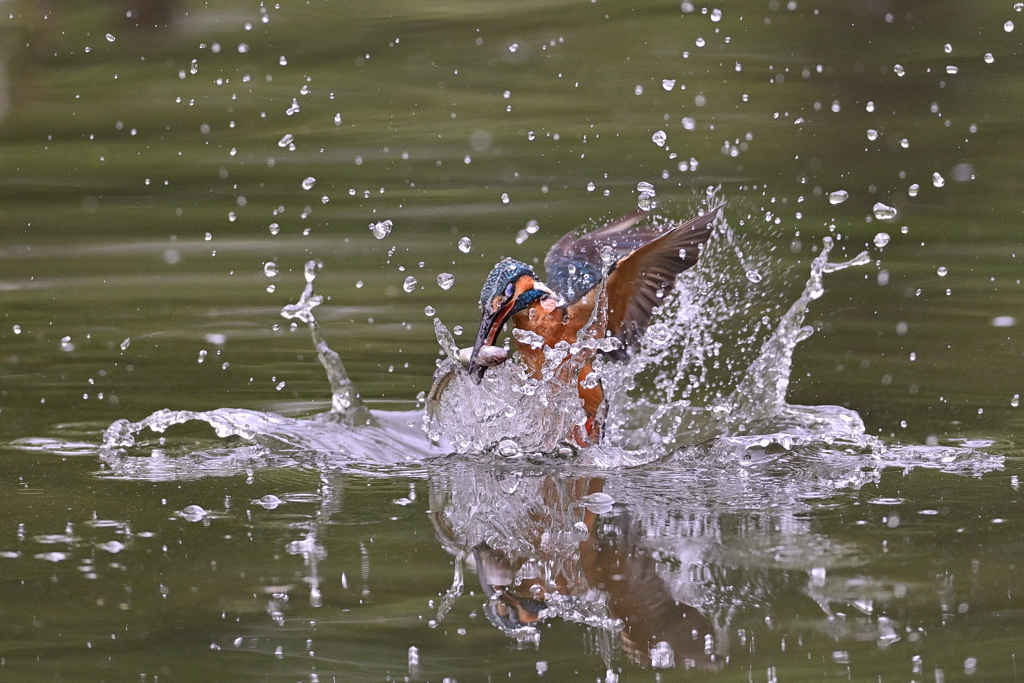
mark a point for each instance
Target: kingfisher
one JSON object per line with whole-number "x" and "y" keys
{"x": 636, "y": 262}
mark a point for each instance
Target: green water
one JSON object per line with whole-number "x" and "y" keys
{"x": 136, "y": 203}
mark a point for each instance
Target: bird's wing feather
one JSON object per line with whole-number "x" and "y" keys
{"x": 639, "y": 280}
{"x": 573, "y": 265}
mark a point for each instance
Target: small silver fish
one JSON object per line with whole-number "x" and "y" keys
{"x": 488, "y": 356}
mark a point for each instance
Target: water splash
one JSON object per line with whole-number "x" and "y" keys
{"x": 707, "y": 384}
{"x": 345, "y": 403}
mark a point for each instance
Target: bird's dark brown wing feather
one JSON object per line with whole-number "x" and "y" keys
{"x": 639, "y": 280}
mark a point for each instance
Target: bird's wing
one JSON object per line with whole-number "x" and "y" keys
{"x": 640, "y": 279}
{"x": 573, "y": 266}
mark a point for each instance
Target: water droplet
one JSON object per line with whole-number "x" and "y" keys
{"x": 531, "y": 135}
{"x": 1004, "y": 321}
{"x": 381, "y": 230}
{"x": 942, "y": 271}
{"x": 522, "y": 236}
{"x": 899, "y": 70}
{"x": 662, "y": 656}
{"x": 668, "y": 83}
{"x": 429, "y": 310}
{"x": 904, "y": 143}
{"x": 465, "y": 245}
{"x": 659, "y": 334}
{"x": 1008, "y": 26}
{"x": 951, "y": 70}
{"x": 989, "y": 58}
{"x": 659, "y": 138}
{"x": 202, "y": 355}
{"x": 283, "y": 61}
{"x": 591, "y": 187}
{"x": 838, "y": 197}
{"x": 513, "y": 47}
{"x": 66, "y": 345}
{"x": 409, "y": 284}
{"x": 124, "y": 345}
{"x": 337, "y": 119}
{"x": 689, "y": 123}
{"x": 872, "y": 134}
{"x": 938, "y": 180}
{"x": 646, "y": 201}
{"x": 110, "y": 38}
{"x": 881, "y": 239}
{"x": 270, "y": 269}
{"x": 753, "y": 276}
{"x": 274, "y": 228}
{"x": 194, "y": 513}
{"x": 716, "y": 15}
{"x": 286, "y": 140}
{"x": 913, "y": 190}
{"x": 308, "y": 183}
{"x": 1015, "y": 401}
{"x": 883, "y": 212}
{"x": 504, "y": 198}
{"x": 445, "y": 280}
{"x": 699, "y": 42}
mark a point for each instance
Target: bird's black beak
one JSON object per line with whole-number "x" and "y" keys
{"x": 490, "y": 325}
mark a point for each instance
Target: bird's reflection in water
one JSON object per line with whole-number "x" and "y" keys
{"x": 545, "y": 545}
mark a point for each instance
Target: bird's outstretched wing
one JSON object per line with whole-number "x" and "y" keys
{"x": 640, "y": 280}
{"x": 573, "y": 265}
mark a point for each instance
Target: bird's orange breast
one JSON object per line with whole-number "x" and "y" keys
{"x": 548, "y": 321}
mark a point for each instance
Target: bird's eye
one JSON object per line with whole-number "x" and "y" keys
{"x": 510, "y": 289}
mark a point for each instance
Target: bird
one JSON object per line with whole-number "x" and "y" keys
{"x": 636, "y": 261}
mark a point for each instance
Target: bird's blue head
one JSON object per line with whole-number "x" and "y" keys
{"x": 511, "y": 287}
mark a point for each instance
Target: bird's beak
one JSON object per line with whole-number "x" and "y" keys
{"x": 490, "y": 325}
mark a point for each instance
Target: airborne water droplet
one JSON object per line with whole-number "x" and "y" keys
{"x": 659, "y": 138}
{"x": 668, "y": 83}
{"x": 881, "y": 239}
{"x": 308, "y": 183}
{"x": 126, "y": 343}
{"x": 465, "y": 245}
{"x": 445, "y": 280}
{"x": 409, "y": 284}
{"x": 754, "y": 276}
{"x": 270, "y": 269}
{"x": 337, "y": 119}
{"x": 429, "y": 310}
{"x": 898, "y": 70}
{"x": 941, "y": 270}
{"x": 883, "y": 212}
{"x": 659, "y": 333}
{"x": 381, "y": 230}
{"x": 286, "y": 140}
{"x": 913, "y": 190}
{"x": 938, "y": 180}
{"x": 591, "y": 187}
{"x": 872, "y": 134}
{"x": 110, "y": 38}
{"x": 838, "y": 197}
